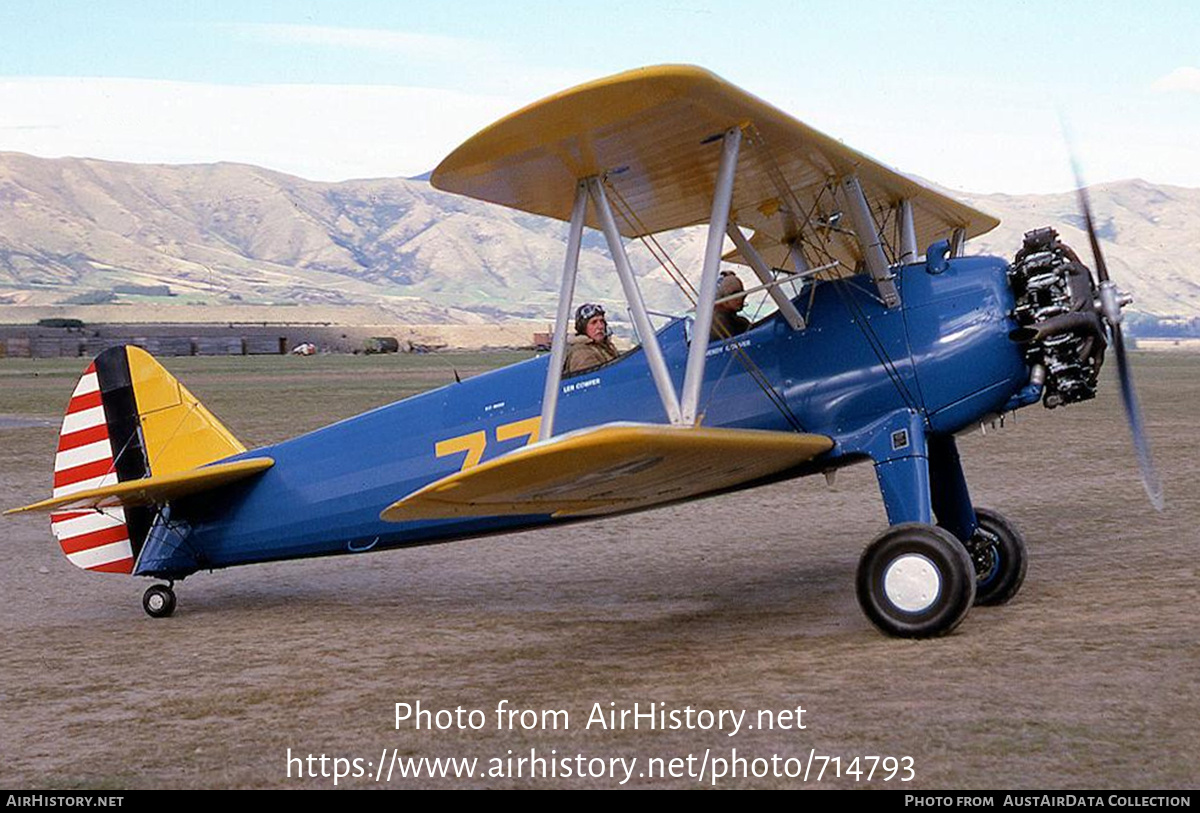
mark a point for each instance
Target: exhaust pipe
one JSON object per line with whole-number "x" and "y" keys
{"x": 1077, "y": 322}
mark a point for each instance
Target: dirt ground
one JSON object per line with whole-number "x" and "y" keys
{"x": 746, "y": 602}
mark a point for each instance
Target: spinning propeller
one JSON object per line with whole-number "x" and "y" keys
{"x": 1109, "y": 309}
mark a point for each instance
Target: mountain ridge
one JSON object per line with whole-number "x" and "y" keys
{"x": 230, "y": 233}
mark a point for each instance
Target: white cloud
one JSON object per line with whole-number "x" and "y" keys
{"x": 320, "y": 132}
{"x": 1180, "y": 80}
{"x": 484, "y": 66}
{"x": 429, "y": 47}
{"x": 336, "y": 132}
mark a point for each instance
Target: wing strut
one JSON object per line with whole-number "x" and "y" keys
{"x": 766, "y": 276}
{"x": 958, "y": 241}
{"x": 801, "y": 264}
{"x": 869, "y": 241}
{"x": 633, "y": 295}
{"x": 908, "y": 233}
{"x": 681, "y": 411}
{"x": 566, "y": 292}
{"x": 707, "y": 293}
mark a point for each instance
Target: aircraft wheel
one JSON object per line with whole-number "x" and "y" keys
{"x": 916, "y": 581}
{"x": 159, "y": 601}
{"x": 1003, "y": 561}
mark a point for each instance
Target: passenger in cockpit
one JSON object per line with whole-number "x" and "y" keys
{"x": 727, "y": 321}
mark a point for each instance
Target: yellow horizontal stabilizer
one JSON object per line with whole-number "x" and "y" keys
{"x": 610, "y": 469}
{"x": 153, "y": 490}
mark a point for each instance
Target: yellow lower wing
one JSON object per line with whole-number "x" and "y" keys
{"x": 153, "y": 490}
{"x": 610, "y": 469}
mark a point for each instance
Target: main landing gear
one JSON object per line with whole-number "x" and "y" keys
{"x": 998, "y": 551}
{"x": 159, "y": 600}
{"x": 916, "y": 581}
{"x": 941, "y": 555}
{"x": 919, "y": 581}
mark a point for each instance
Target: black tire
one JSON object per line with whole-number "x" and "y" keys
{"x": 916, "y": 581}
{"x": 1009, "y": 560}
{"x": 159, "y": 601}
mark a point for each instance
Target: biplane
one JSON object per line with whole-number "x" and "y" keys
{"x": 883, "y": 340}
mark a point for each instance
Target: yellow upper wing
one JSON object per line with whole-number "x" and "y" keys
{"x": 655, "y": 133}
{"x": 610, "y": 469}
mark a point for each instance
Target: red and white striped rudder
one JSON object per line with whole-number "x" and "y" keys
{"x": 93, "y": 539}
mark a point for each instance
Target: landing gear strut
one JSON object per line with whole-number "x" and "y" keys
{"x": 916, "y": 581}
{"x": 159, "y": 600}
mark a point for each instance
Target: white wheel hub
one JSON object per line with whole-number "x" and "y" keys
{"x": 912, "y": 583}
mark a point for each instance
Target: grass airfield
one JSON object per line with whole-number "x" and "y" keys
{"x": 1086, "y": 680}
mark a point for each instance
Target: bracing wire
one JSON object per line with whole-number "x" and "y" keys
{"x": 626, "y": 212}
{"x": 873, "y": 340}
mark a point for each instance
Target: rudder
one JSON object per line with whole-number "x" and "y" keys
{"x": 127, "y": 418}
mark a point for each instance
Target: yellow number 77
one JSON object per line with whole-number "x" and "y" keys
{"x": 475, "y": 442}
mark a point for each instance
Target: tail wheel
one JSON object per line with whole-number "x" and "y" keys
{"x": 159, "y": 601}
{"x": 916, "y": 581}
{"x": 1003, "y": 549}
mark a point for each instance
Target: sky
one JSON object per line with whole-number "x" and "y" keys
{"x": 970, "y": 95}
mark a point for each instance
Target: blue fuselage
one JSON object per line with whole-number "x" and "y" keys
{"x": 943, "y": 360}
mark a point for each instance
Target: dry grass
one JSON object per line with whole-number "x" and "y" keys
{"x": 1086, "y": 680}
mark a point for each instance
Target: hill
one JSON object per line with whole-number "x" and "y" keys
{"x": 83, "y": 231}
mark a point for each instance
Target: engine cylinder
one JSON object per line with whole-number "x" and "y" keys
{"x": 1055, "y": 308}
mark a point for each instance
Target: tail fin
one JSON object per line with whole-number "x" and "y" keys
{"x": 128, "y": 418}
